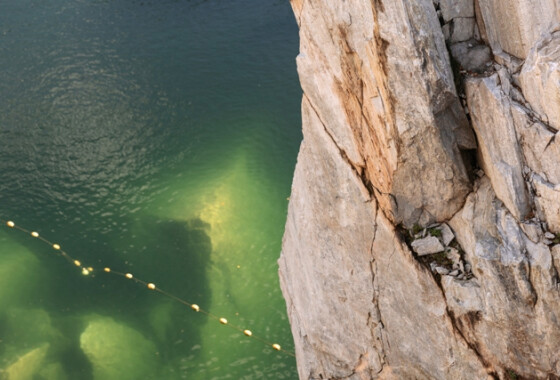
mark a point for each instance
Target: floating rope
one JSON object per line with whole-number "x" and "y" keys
{"x": 86, "y": 270}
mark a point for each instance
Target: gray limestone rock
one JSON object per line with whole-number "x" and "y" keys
{"x": 516, "y": 288}
{"x": 540, "y": 78}
{"x": 533, "y": 230}
{"x": 441, "y": 270}
{"x": 325, "y": 266}
{"x": 515, "y": 26}
{"x": 447, "y": 235}
{"x": 547, "y": 198}
{"x": 385, "y": 141}
{"x": 471, "y": 55}
{"x": 539, "y": 145}
{"x": 462, "y": 29}
{"x": 415, "y": 120}
{"x": 427, "y": 246}
{"x": 499, "y": 150}
{"x": 452, "y": 9}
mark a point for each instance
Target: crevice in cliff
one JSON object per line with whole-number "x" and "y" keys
{"x": 358, "y": 170}
{"x": 376, "y": 330}
{"x": 473, "y": 346}
{"x": 427, "y": 263}
{"x": 516, "y": 98}
{"x": 472, "y": 318}
{"x": 424, "y": 263}
{"x": 375, "y": 321}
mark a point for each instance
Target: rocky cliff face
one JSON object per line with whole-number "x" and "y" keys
{"x": 423, "y": 231}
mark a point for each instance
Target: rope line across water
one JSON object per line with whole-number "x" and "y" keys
{"x": 86, "y": 270}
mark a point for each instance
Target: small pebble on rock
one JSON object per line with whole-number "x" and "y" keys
{"x": 442, "y": 270}
{"x": 549, "y": 235}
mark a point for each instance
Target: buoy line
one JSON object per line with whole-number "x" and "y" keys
{"x": 87, "y": 270}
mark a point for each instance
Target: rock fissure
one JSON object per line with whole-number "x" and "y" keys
{"x": 399, "y": 99}
{"x": 472, "y": 345}
{"x": 356, "y": 169}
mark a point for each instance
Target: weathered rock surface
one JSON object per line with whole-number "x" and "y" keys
{"x": 332, "y": 223}
{"x": 353, "y": 58}
{"x": 500, "y": 153}
{"x": 452, "y": 9}
{"x": 540, "y": 76}
{"x": 547, "y": 197}
{"x": 513, "y": 299}
{"x": 460, "y": 29}
{"x": 389, "y": 149}
{"x": 471, "y": 55}
{"x": 515, "y": 26}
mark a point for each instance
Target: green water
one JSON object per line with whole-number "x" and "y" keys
{"x": 156, "y": 138}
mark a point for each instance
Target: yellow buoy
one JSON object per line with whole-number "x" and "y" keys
{"x": 56, "y": 246}
{"x": 90, "y": 269}
{"x": 77, "y": 263}
{"x": 276, "y": 346}
{"x": 151, "y": 286}
{"x": 35, "y": 234}
{"x": 247, "y": 332}
{"x": 223, "y": 321}
{"x": 10, "y": 224}
{"x": 85, "y": 272}
{"x": 195, "y": 307}
{"x": 107, "y": 269}
{"x": 128, "y": 275}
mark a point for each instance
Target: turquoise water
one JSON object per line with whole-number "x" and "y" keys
{"x": 157, "y": 138}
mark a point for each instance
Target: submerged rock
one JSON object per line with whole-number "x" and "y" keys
{"x": 28, "y": 365}
{"x": 117, "y": 351}
{"x": 29, "y": 327}
{"x": 20, "y": 273}
{"x": 53, "y": 371}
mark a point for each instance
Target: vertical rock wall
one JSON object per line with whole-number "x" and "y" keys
{"x": 423, "y": 231}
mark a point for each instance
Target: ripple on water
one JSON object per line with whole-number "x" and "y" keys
{"x": 157, "y": 137}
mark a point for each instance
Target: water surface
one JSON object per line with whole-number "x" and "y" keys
{"x": 157, "y": 138}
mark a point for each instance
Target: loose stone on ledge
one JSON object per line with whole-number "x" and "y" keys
{"x": 446, "y": 234}
{"x": 427, "y": 246}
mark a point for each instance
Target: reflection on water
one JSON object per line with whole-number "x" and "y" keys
{"x": 157, "y": 138}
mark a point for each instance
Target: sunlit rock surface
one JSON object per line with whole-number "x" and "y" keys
{"x": 400, "y": 138}
{"x": 117, "y": 351}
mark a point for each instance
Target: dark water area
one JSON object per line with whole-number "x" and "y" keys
{"x": 157, "y": 138}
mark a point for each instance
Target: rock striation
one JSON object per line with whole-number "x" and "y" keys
{"x": 423, "y": 230}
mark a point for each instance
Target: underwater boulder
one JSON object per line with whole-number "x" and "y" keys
{"x": 28, "y": 365}
{"x": 29, "y": 327}
{"x": 53, "y": 371}
{"x": 117, "y": 351}
{"x": 20, "y": 273}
